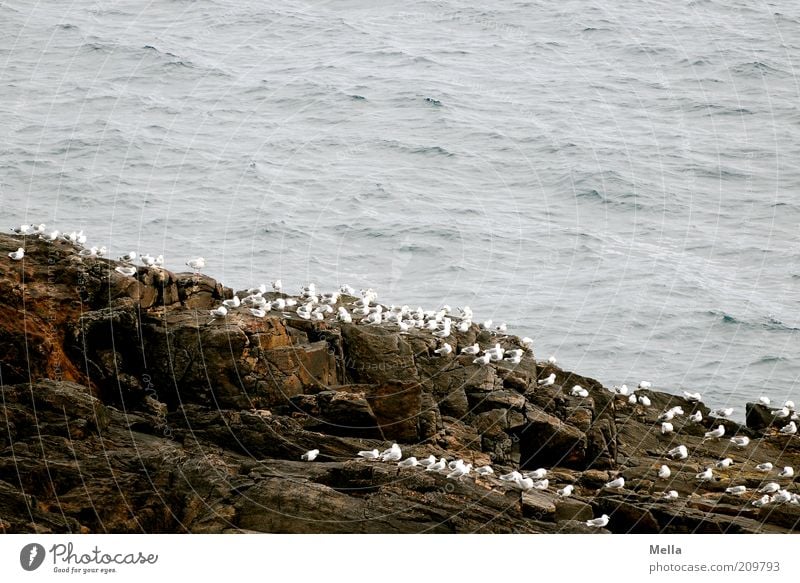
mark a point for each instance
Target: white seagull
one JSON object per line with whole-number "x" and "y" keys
{"x": 17, "y": 255}
{"x": 786, "y": 472}
{"x": 126, "y": 270}
{"x": 724, "y": 463}
{"x": 736, "y": 490}
{"x": 667, "y": 428}
{"x": 393, "y": 454}
{"x": 765, "y": 467}
{"x": 706, "y": 475}
{"x": 769, "y": 488}
{"x": 664, "y": 472}
{"x": 444, "y": 350}
{"x": 566, "y": 491}
{"x": 678, "y": 453}
{"x": 369, "y": 454}
{"x": 310, "y": 455}
{"x": 671, "y": 495}
{"x": 727, "y": 412}
{"x": 579, "y": 391}
{"x": 715, "y": 433}
{"x": 196, "y": 264}
{"x": 483, "y": 359}
{"x": 696, "y": 417}
{"x": 789, "y": 429}
{"x": 474, "y": 349}
{"x": 484, "y": 471}
{"x": 645, "y": 384}
{"x": 740, "y": 440}
{"x": 549, "y": 381}
{"x": 692, "y": 397}
{"x": 616, "y": 484}
{"x": 408, "y": 463}
{"x": 598, "y": 522}
{"x": 537, "y": 474}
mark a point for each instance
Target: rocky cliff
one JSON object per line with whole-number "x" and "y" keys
{"x": 127, "y": 407}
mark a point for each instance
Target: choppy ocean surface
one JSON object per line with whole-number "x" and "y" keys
{"x": 618, "y": 180}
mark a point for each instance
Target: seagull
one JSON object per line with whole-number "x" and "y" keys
{"x": 484, "y": 471}
{"x": 722, "y": 412}
{"x": 765, "y": 467}
{"x": 667, "y": 416}
{"x": 789, "y": 429}
{"x": 789, "y": 405}
{"x": 522, "y": 484}
{"x": 393, "y": 454}
{"x": 623, "y": 390}
{"x": 696, "y": 417}
{"x": 740, "y": 440}
{"x": 459, "y": 471}
{"x": 644, "y": 401}
{"x": 786, "y": 472}
{"x": 444, "y": 350}
{"x": 502, "y": 328}
{"x": 692, "y": 397}
{"x": 483, "y": 359}
{"x": 474, "y": 349}
{"x": 344, "y": 316}
{"x": 715, "y": 433}
{"x": 598, "y": 522}
{"x": 679, "y": 453}
{"x": 736, "y": 490}
{"x": 632, "y": 399}
{"x": 235, "y": 302}
{"x": 196, "y": 264}
{"x": 780, "y": 497}
{"x": 671, "y": 495}
{"x": 645, "y": 384}
{"x": 667, "y": 428}
{"x": 616, "y": 484}
{"x": 764, "y": 401}
{"x": 781, "y": 413}
{"x": 769, "y": 488}
{"x": 664, "y": 472}
{"x": 537, "y": 474}
{"x": 310, "y": 455}
{"x": 126, "y": 270}
{"x": 369, "y": 454}
{"x": 128, "y": 257}
{"x": 552, "y": 360}
{"x": 566, "y": 491}
{"x": 455, "y": 463}
{"x": 486, "y": 325}
{"x": 221, "y": 311}
{"x": 761, "y": 501}
{"x": 527, "y": 342}
{"x": 257, "y": 312}
{"x": 52, "y": 236}
{"x": 147, "y": 260}
{"x": 438, "y": 466}
{"x": 542, "y": 484}
{"x": 18, "y": 254}
{"x": 464, "y": 325}
{"x": 724, "y": 463}
{"x": 549, "y": 381}
{"x": 408, "y": 463}
{"x": 511, "y": 477}
{"x": 579, "y": 391}
{"x": 706, "y": 475}
{"x": 513, "y": 359}
{"x": 426, "y": 462}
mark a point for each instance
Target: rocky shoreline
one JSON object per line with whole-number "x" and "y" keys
{"x": 127, "y": 407}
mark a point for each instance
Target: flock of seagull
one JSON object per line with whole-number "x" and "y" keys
{"x": 311, "y": 304}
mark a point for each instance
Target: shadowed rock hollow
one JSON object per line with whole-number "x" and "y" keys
{"x": 126, "y": 407}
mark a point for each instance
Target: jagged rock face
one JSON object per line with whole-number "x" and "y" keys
{"x": 127, "y": 407}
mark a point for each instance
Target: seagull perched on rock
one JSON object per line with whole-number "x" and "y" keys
{"x": 474, "y": 349}
{"x": 537, "y": 474}
{"x": 667, "y": 416}
{"x": 644, "y": 401}
{"x": 438, "y": 466}
{"x": 671, "y": 495}
{"x": 522, "y": 484}
{"x": 781, "y": 497}
{"x": 786, "y": 472}
{"x": 727, "y": 412}
{"x": 393, "y": 454}
{"x": 781, "y": 413}
{"x": 542, "y": 484}
{"x": 552, "y": 360}
{"x": 257, "y": 312}
{"x": 789, "y": 429}
{"x": 427, "y": 462}
{"x": 310, "y": 455}
{"x": 724, "y": 463}
{"x": 196, "y": 264}
{"x": 18, "y": 254}
{"x": 706, "y": 475}
{"x": 128, "y": 257}
{"x": 566, "y": 491}
{"x": 769, "y": 488}
{"x": 444, "y": 350}
{"x": 484, "y": 471}
{"x": 678, "y": 453}
{"x": 740, "y": 440}
{"x": 234, "y": 302}
{"x": 736, "y": 490}
{"x": 219, "y": 312}
{"x": 645, "y": 384}
{"x": 764, "y": 500}
{"x": 715, "y": 433}
{"x": 692, "y": 397}
{"x": 667, "y": 428}
{"x": 664, "y": 472}
{"x": 765, "y": 467}
{"x": 126, "y": 270}
{"x": 483, "y": 359}
{"x": 511, "y": 476}
{"x": 549, "y": 381}
{"x": 410, "y": 462}
{"x": 579, "y": 391}
{"x": 616, "y": 484}
{"x": 696, "y": 417}
{"x": 460, "y": 471}
{"x": 369, "y": 454}
{"x": 764, "y": 401}
{"x": 598, "y": 522}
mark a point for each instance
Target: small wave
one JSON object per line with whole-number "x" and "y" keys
{"x": 756, "y": 68}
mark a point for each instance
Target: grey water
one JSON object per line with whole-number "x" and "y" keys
{"x": 619, "y": 180}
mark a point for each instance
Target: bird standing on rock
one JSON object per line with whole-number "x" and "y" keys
{"x": 664, "y": 472}
{"x": 715, "y": 433}
{"x": 393, "y": 454}
{"x": 566, "y": 491}
{"x": 598, "y": 522}
{"x": 369, "y": 454}
{"x": 740, "y": 440}
{"x": 706, "y": 475}
{"x": 549, "y": 381}
{"x": 310, "y": 455}
{"x": 196, "y": 264}
{"x": 678, "y": 453}
{"x": 616, "y": 484}
{"x": 17, "y": 255}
